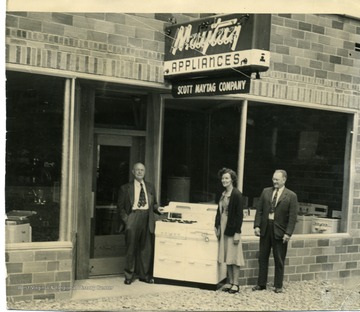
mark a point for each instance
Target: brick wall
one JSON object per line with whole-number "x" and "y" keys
{"x": 313, "y": 60}
{"x": 111, "y": 44}
{"x": 336, "y": 258}
{"x": 39, "y": 274}
{"x": 313, "y": 57}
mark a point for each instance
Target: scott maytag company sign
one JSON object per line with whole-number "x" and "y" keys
{"x": 217, "y": 45}
{"x": 198, "y": 87}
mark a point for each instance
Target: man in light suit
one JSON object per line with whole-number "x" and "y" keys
{"x": 275, "y": 219}
{"x": 136, "y": 206}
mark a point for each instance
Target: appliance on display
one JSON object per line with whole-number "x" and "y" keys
{"x": 336, "y": 214}
{"x": 186, "y": 246}
{"x": 303, "y": 224}
{"x": 17, "y": 233}
{"x": 313, "y": 209}
{"x": 247, "y": 227}
{"x": 17, "y": 226}
{"x": 325, "y": 225}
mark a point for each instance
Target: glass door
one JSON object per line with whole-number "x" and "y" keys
{"x": 113, "y": 154}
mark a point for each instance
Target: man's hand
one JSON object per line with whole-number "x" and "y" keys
{"x": 286, "y": 238}
{"x": 236, "y": 241}
{"x": 257, "y": 231}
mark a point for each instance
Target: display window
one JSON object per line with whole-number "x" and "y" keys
{"x": 312, "y": 145}
{"x": 34, "y": 128}
{"x": 197, "y": 143}
{"x": 309, "y": 144}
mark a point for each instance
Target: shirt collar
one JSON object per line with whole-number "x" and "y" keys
{"x": 281, "y": 189}
{"x": 137, "y": 183}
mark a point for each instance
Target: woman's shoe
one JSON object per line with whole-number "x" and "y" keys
{"x": 227, "y": 287}
{"x": 234, "y": 289}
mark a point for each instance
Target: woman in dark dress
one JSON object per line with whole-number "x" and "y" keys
{"x": 228, "y": 222}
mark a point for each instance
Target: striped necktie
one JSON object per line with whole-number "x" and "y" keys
{"x": 142, "y": 198}
{"x": 273, "y": 202}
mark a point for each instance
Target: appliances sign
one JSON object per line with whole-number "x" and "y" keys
{"x": 216, "y": 45}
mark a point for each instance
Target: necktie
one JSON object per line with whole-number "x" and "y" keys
{"x": 273, "y": 202}
{"x": 142, "y": 198}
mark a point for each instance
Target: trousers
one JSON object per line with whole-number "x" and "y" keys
{"x": 279, "y": 248}
{"x": 138, "y": 242}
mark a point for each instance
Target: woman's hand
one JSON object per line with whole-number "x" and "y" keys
{"x": 236, "y": 238}
{"x": 217, "y": 232}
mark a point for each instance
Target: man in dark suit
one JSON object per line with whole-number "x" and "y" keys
{"x": 136, "y": 206}
{"x": 275, "y": 219}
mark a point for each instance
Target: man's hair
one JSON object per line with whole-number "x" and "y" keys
{"x": 138, "y": 163}
{"x": 283, "y": 172}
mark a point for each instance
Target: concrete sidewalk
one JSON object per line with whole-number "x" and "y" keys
{"x": 113, "y": 286}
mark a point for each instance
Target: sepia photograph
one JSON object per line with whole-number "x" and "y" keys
{"x": 181, "y": 155}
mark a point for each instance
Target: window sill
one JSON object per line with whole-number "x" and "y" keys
{"x": 250, "y": 238}
{"x": 320, "y": 236}
{"x": 38, "y": 245}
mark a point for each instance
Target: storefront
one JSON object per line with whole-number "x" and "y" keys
{"x": 86, "y": 98}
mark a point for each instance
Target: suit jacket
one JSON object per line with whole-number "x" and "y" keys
{"x": 285, "y": 212}
{"x": 235, "y": 214}
{"x": 126, "y": 202}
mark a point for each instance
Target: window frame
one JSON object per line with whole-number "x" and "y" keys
{"x": 69, "y": 194}
{"x": 350, "y": 153}
{"x": 66, "y": 219}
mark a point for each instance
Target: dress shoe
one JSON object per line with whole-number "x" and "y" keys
{"x": 278, "y": 290}
{"x": 127, "y": 281}
{"x": 227, "y": 287}
{"x": 148, "y": 280}
{"x": 257, "y": 287}
{"x": 234, "y": 289}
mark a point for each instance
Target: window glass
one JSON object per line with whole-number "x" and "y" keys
{"x": 114, "y": 109}
{"x": 202, "y": 137}
{"x": 308, "y": 143}
{"x": 196, "y": 145}
{"x": 34, "y": 111}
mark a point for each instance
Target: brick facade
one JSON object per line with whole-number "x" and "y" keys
{"x": 335, "y": 258}
{"x": 115, "y": 45}
{"x": 39, "y": 273}
{"x": 313, "y": 60}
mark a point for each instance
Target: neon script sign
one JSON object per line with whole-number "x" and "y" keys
{"x": 220, "y": 33}
{"x": 217, "y": 45}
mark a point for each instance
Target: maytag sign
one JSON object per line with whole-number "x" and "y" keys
{"x": 206, "y": 87}
{"x": 218, "y": 45}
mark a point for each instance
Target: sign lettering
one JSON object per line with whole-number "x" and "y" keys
{"x": 207, "y": 47}
{"x": 219, "y": 61}
{"x": 221, "y": 32}
{"x": 201, "y": 87}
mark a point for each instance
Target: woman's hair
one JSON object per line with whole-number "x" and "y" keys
{"x": 229, "y": 171}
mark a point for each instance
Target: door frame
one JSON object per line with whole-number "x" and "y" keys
{"x": 153, "y": 148}
{"x": 111, "y": 137}
{"x": 106, "y": 265}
